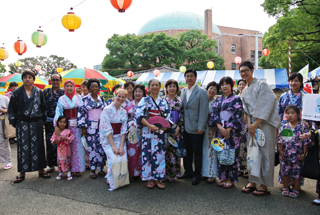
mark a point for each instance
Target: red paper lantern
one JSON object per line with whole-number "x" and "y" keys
{"x": 156, "y": 72}
{"x": 121, "y": 5}
{"x": 20, "y": 47}
{"x": 238, "y": 60}
{"x": 129, "y": 74}
{"x": 266, "y": 52}
{"x": 37, "y": 67}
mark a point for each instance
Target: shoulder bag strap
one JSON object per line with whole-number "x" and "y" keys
{"x": 157, "y": 106}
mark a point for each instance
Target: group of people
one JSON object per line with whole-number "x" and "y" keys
{"x": 85, "y": 131}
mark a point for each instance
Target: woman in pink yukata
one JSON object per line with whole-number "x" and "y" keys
{"x": 63, "y": 150}
{"x": 113, "y": 131}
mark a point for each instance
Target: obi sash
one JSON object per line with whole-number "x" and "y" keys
{"x": 225, "y": 116}
{"x": 71, "y": 113}
{"x": 94, "y": 114}
{"x": 153, "y": 113}
{"x": 116, "y": 127}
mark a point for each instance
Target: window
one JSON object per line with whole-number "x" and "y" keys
{"x": 233, "y": 49}
{"x": 259, "y": 54}
{"x": 233, "y": 66}
{"x": 217, "y": 50}
{"x": 252, "y": 57}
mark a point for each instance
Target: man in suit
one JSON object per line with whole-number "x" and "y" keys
{"x": 195, "y": 107}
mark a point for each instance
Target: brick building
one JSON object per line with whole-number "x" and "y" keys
{"x": 231, "y": 42}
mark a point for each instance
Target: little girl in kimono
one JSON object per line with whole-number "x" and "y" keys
{"x": 63, "y": 139}
{"x": 292, "y": 150}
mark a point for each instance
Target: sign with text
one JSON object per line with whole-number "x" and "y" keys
{"x": 311, "y": 107}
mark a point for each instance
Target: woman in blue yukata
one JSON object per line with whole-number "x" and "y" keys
{"x": 226, "y": 115}
{"x": 113, "y": 131}
{"x": 153, "y": 138}
{"x": 89, "y": 120}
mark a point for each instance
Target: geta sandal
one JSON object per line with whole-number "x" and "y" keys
{"x": 248, "y": 190}
{"x": 150, "y": 185}
{"x": 19, "y": 179}
{"x": 261, "y": 193}
{"x": 44, "y": 175}
{"x": 93, "y": 176}
{"x": 160, "y": 185}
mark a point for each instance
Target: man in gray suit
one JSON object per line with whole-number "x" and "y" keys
{"x": 195, "y": 107}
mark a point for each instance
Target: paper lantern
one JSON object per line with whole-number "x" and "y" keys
{"x": 121, "y": 5}
{"x": 37, "y": 67}
{"x": 156, "y": 72}
{"x": 238, "y": 60}
{"x": 71, "y": 21}
{"x": 18, "y": 63}
{"x": 182, "y": 69}
{"x": 39, "y": 38}
{"x": 20, "y": 47}
{"x": 210, "y": 64}
{"x": 59, "y": 69}
{"x": 129, "y": 74}
{"x": 266, "y": 52}
{"x": 4, "y": 54}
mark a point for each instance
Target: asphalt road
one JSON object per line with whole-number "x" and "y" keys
{"x": 86, "y": 196}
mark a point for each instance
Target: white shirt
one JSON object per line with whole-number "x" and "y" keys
{"x": 190, "y": 91}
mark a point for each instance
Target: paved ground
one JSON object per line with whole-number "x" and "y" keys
{"x": 86, "y": 196}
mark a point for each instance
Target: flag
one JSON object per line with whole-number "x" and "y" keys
{"x": 304, "y": 72}
{"x": 308, "y": 87}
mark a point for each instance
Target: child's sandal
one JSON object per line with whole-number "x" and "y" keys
{"x": 294, "y": 194}
{"x": 285, "y": 192}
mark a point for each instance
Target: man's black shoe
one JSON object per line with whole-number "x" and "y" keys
{"x": 195, "y": 181}
{"x": 185, "y": 176}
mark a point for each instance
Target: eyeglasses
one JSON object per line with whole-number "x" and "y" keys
{"x": 190, "y": 76}
{"x": 244, "y": 71}
{"x": 55, "y": 80}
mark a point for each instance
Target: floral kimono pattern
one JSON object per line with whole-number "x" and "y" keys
{"x": 173, "y": 162}
{"x": 96, "y": 153}
{"x": 153, "y": 143}
{"x": 209, "y": 155}
{"x": 233, "y": 106}
{"x": 110, "y": 116}
{"x": 77, "y": 149}
{"x": 63, "y": 150}
{"x": 134, "y": 150}
{"x": 292, "y": 150}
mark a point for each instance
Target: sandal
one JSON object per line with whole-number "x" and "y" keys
{"x": 171, "y": 180}
{"x": 19, "y": 179}
{"x": 245, "y": 175}
{"x": 44, "y": 175}
{"x": 248, "y": 190}
{"x": 160, "y": 185}
{"x": 261, "y": 193}
{"x": 285, "y": 192}
{"x": 8, "y": 166}
{"x": 240, "y": 174}
{"x": 69, "y": 178}
{"x": 93, "y": 176}
{"x": 59, "y": 176}
{"x": 221, "y": 183}
{"x": 102, "y": 173}
{"x": 77, "y": 174}
{"x": 228, "y": 185}
{"x": 150, "y": 185}
{"x": 211, "y": 180}
{"x": 294, "y": 194}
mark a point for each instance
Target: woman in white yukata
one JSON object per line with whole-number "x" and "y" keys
{"x": 113, "y": 130}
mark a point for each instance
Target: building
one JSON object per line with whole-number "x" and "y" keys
{"x": 231, "y": 42}
{"x": 97, "y": 67}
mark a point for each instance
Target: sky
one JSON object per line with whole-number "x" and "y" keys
{"x": 86, "y": 46}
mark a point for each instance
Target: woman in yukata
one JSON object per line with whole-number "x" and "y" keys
{"x": 173, "y": 162}
{"x": 68, "y": 105}
{"x": 226, "y": 115}
{"x": 209, "y": 155}
{"x": 134, "y": 146}
{"x": 153, "y": 138}
{"x": 89, "y": 120}
{"x": 128, "y": 86}
{"x": 113, "y": 130}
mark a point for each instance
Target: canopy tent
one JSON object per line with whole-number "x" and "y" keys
{"x": 314, "y": 73}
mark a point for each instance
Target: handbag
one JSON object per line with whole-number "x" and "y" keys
{"x": 227, "y": 155}
{"x": 253, "y": 158}
{"x": 311, "y": 167}
{"x": 9, "y": 130}
{"x": 181, "y": 151}
{"x": 120, "y": 173}
{"x": 166, "y": 130}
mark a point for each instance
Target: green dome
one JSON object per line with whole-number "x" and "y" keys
{"x": 176, "y": 20}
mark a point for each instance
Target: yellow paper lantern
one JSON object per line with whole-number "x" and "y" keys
{"x": 59, "y": 69}
{"x": 210, "y": 64}
{"x": 71, "y": 21}
{"x": 4, "y": 54}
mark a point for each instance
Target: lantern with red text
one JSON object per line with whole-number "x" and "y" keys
{"x": 37, "y": 67}
{"x": 129, "y": 74}
{"x": 20, "y": 47}
{"x": 210, "y": 64}
{"x": 71, "y": 21}
{"x": 59, "y": 69}
{"x": 266, "y": 52}
{"x": 238, "y": 60}
{"x": 121, "y": 5}
{"x": 156, "y": 72}
{"x": 4, "y": 54}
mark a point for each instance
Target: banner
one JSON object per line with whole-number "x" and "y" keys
{"x": 308, "y": 87}
{"x": 311, "y": 107}
{"x": 304, "y": 72}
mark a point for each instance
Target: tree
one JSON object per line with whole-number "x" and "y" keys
{"x": 48, "y": 65}
{"x": 298, "y": 21}
{"x": 2, "y": 68}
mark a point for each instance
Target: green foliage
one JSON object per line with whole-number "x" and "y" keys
{"x": 298, "y": 21}
{"x": 155, "y": 50}
{"x": 2, "y": 68}
{"x": 48, "y": 65}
